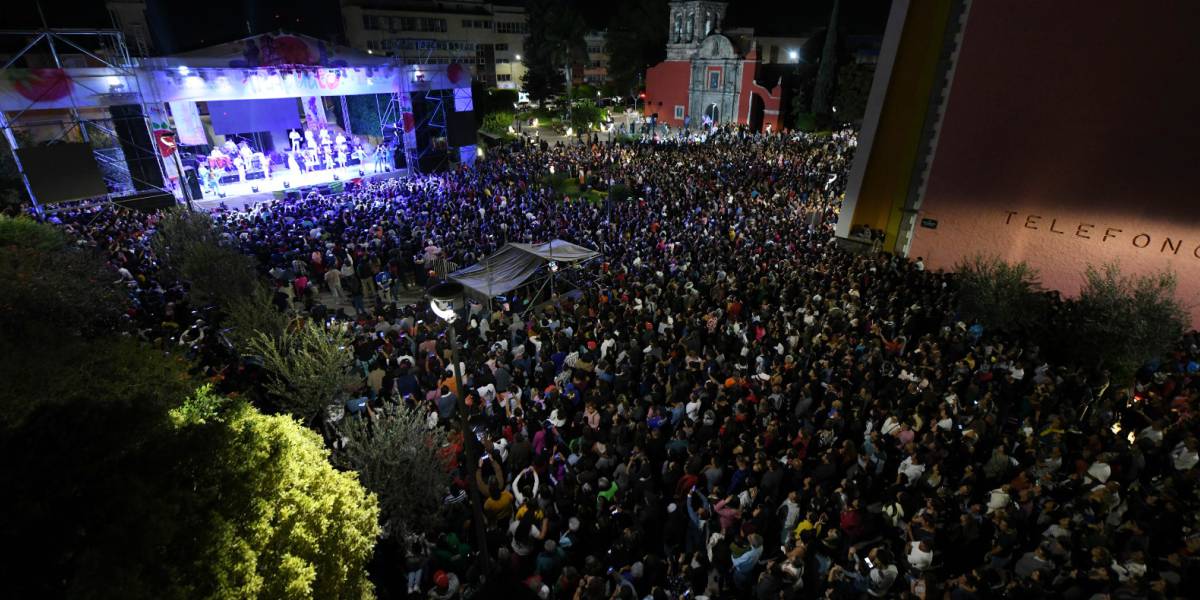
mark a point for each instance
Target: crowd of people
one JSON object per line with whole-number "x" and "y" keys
{"x": 732, "y": 406}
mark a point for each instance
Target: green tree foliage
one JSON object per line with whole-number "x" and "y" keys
{"x": 402, "y": 462}
{"x": 853, "y": 90}
{"x": 122, "y": 481}
{"x": 192, "y": 250}
{"x": 12, "y": 187}
{"x": 585, "y": 115}
{"x": 1125, "y": 320}
{"x": 1001, "y": 296}
{"x": 254, "y": 314}
{"x": 827, "y": 71}
{"x": 497, "y": 123}
{"x": 555, "y": 41}
{"x": 489, "y": 100}
{"x": 280, "y": 521}
{"x": 309, "y": 366}
{"x": 637, "y": 40}
{"x": 209, "y": 500}
{"x": 46, "y": 283}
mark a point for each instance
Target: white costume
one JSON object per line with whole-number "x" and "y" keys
{"x": 295, "y": 137}
{"x": 308, "y": 139}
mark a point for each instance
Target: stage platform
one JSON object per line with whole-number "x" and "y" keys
{"x": 242, "y": 194}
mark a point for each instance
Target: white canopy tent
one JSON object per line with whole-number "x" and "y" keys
{"x": 514, "y": 264}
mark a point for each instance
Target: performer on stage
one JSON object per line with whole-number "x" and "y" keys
{"x": 264, "y": 159}
{"x": 380, "y": 158}
{"x": 309, "y": 141}
{"x": 295, "y": 137}
{"x": 360, "y": 155}
{"x": 326, "y": 141}
{"x": 293, "y": 166}
{"x": 310, "y": 160}
{"x": 341, "y": 157}
{"x": 209, "y": 179}
{"x": 240, "y": 163}
{"x": 328, "y": 158}
{"x": 341, "y": 142}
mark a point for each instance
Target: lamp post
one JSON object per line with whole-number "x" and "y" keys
{"x": 445, "y": 299}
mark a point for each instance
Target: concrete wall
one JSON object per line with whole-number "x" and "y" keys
{"x": 1070, "y": 138}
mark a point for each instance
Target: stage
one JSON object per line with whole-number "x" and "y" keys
{"x": 241, "y": 194}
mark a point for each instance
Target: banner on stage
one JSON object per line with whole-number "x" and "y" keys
{"x": 314, "y": 112}
{"x": 187, "y": 123}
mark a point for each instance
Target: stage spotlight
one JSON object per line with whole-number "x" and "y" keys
{"x": 183, "y": 70}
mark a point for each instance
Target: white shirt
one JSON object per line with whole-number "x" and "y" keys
{"x": 918, "y": 558}
{"x": 912, "y": 470}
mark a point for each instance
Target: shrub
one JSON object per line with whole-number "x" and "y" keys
{"x": 1000, "y": 296}
{"x": 1125, "y": 321}
{"x": 497, "y": 122}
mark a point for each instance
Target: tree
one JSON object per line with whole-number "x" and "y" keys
{"x": 46, "y": 283}
{"x": 853, "y": 90}
{"x": 1127, "y": 321}
{"x": 12, "y": 188}
{"x": 555, "y": 42}
{"x": 827, "y": 70}
{"x": 1000, "y": 296}
{"x": 489, "y": 100}
{"x": 637, "y": 40}
{"x": 254, "y": 314}
{"x": 497, "y": 123}
{"x": 585, "y": 114}
{"x": 193, "y": 251}
{"x": 309, "y": 366}
{"x": 121, "y": 480}
{"x": 403, "y": 462}
{"x": 280, "y": 520}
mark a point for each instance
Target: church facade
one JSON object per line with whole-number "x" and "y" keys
{"x": 709, "y": 75}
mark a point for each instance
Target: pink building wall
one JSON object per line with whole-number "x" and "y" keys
{"x": 1071, "y": 137}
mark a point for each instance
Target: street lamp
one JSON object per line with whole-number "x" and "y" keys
{"x": 794, "y": 55}
{"x": 445, "y": 299}
{"x": 518, "y": 57}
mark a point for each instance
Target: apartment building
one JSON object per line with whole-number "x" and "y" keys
{"x": 595, "y": 72}
{"x": 488, "y": 37}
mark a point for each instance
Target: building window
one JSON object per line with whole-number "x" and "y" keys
{"x": 679, "y": 112}
{"x": 714, "y": 80}
{"x": 510, "y": 27}
{"x": 503, "y": 77}
{"x": 500, "y": 47}
{"x": 502, "y": 61}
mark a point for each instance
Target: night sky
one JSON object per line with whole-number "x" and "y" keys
{"x": 216, "y": 21}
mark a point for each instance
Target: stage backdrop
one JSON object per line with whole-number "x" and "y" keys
{"x": 1070, "y": 139}
{"x": 245, "y": 116}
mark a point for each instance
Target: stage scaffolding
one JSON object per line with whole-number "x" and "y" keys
{"x": 86, "y": 125}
